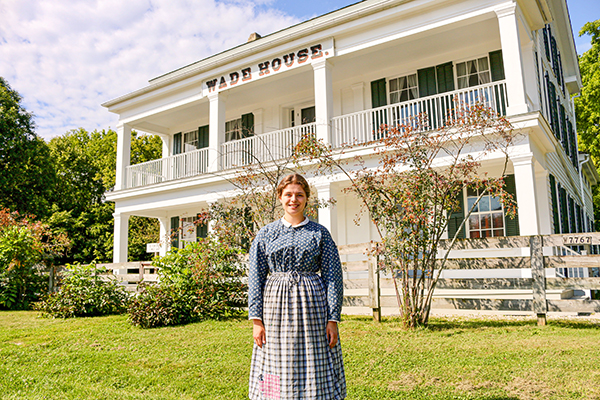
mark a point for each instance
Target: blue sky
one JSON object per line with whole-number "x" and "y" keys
{"x": 66, "y": 57}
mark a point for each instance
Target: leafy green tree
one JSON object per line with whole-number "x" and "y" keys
{"x": 27, "y": 176}
{"x": 587, "y": 104}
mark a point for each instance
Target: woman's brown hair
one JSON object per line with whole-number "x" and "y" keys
{"x": 293, "y": 178}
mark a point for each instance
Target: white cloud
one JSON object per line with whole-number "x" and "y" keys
{"x": 66, "y": 57}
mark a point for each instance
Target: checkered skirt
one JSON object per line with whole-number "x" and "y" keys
{"x": 296, "y": 361}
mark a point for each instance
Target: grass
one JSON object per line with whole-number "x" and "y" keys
{"x": 106, "y": 358}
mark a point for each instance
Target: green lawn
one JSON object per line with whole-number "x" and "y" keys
{"x": 106, "y": 358}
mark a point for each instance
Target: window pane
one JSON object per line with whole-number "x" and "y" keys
{"x": 470, "y": 202}
{"x": 484, "y": 204}
{"x": 484, "y": 77}
{"x": 474, "y": 222}
{"x": 498, "y": 220}
{"x": 402, "y": 82}
{"x": 474, "y": 234}
{"x": 412, "y": 80}
{"x": 486, "y": 221}
{"x": 471, "y": 67}
{"x": 486, "y": 234}
{"x": 471, "y": 191}
{"x": 498, "y": 232}
{"x": 495, "y": 204}
{"x": 393, "y": 85}
{"x": 463, "y": 83}
{"x": 404, "y": 95}
{"x": 483, "y": 64}
{"x": 473, "y": 80}
{"x": 461, "y": 69}
{"x": 394, "y": 97}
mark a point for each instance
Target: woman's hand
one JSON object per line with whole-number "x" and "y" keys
{"x": 258, "y": 333}
{"x": 332, "y": 333}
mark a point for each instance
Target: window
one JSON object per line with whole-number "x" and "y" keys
{"x": 487, "y": 218}
{"x": 233, "y": 130}
{"x": 190, "y": 141}
{"x": 403, "y": 88}
{"x": 473, "y": 72}
{"x": 188, "y": 230}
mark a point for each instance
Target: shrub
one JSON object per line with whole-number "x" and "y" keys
{"x": 202, "y": 281}
{"x": 85, "y": 293}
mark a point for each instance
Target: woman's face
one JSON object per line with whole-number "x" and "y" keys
{"x": 293, "y": 199}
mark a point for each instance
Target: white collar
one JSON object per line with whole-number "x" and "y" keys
{"x": 287, "y": 224}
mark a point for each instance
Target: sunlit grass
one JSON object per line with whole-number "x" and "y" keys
{"x": 106, "y": 358}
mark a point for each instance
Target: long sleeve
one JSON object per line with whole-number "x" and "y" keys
{"x": 257, "y": 277}
{"x": 331, "y": 271}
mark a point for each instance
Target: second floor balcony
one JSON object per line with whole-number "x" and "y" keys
{"x": 359, "y": 128}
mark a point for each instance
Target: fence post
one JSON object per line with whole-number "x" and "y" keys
{"x": 374, "y": 292}
{"x": 538, "y": 273}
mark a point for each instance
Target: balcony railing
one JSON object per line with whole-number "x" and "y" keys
{"x": 167, "y": 169}
{"x": 357, "y": 128}
{"x": 364, "y": 126}
{"x": 262, "y": 148}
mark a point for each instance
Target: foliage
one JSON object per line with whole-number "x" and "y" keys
{"x": 201, "y": 281}
{"x": 26, "y": 174}
{"x": 26, "y": 248}
{"x": 142, "y": 230}
{"x": 587, "y": 104}
{"x": 413, "y": 190}
{"x": 84, "y": 292}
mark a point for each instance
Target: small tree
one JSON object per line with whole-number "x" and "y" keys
{"x": 414, "y": 189}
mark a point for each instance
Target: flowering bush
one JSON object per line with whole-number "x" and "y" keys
{"x": 201, "y": 281}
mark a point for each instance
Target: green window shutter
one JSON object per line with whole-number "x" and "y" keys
{"x": 177, "y": 143}
{"x": 546, "y": 43}
{"x": 563, "y": 131}
{"x": 579, "y": 218}
{"x": 555, "y": 64}
{"x": 564, "y": 215}
{"x": 174, "y": 232}
{"x": 497, "y": 65}
{"x": 572, "y": 224}
{"x": 511, "y": 224}
{"x": 573, "y": 144}
{"x": 456, "y": 218}
{"x": 202, "y": 137}
{"x": 427, "y": 83}
{"x": 554, "y": 199}
{"x": 378, "y": 93}
{"x": 445, "y": 77}
{"x": 201, "y": 231}
{"x": 247, "y": 125}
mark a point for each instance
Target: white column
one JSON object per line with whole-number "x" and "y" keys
{"x": 164, "y": 224}
{"x": 513, "y": 61}
{"x": 526, "y": 194}
{"x": 166, "y": 145}
{"x": 258, "y": 121}
{"x": 323, "y": 99}
{"x": 543, "y": 201}
{"x": 327, "y": 216}
{"x": 123, "y": 155}
{"x": 216, "y": 129}
{"x": 121, "y": 238}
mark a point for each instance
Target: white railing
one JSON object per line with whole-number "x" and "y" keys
{"x": 167, "y": 169}
{"x": 365, "y": 126}
{"x": 265, "y": 147}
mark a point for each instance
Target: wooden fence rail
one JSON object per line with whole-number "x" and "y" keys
{"x": 528, "y": 292}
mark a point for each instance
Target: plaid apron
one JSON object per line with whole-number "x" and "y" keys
{"x": 296, "y": 361}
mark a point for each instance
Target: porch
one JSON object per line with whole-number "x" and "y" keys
{"x": 358, "y": 128}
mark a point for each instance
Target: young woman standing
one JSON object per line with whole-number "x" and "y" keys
{"x": 295, "y": 311}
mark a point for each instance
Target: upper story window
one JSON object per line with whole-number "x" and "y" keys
{"x": 233, "y": 129}
{"x": 190, "y": 141}
{"x": 473, "y": 72}
{"x": 487, "y": 218}
{"x": 403, "y": 88}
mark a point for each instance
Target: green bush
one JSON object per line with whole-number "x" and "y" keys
{"x": 85, "y": 293}
{"x": 202, "y": 281}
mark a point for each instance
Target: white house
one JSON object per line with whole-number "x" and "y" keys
{"x": 334, "y": 75}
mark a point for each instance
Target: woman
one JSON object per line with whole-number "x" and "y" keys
{"x": 295, "y": 311}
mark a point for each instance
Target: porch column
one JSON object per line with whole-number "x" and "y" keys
{"x": 121, "y": 237}
{"x": 123, "y": 155}
{"x": 163, "y": 223}
{"x": 543, "y": 201}
{"x": 323, "y": 99}
{"x": 216, "y": 129}
{"x": 526, "y": 194}
{"x": 166, "y": 145}
{"x": 327, "y": 216}
{"x": 513, "y": 60}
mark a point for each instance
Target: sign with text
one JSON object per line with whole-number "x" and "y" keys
{"x": 152, "y": 247}
{"x": 284, "y": 62}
